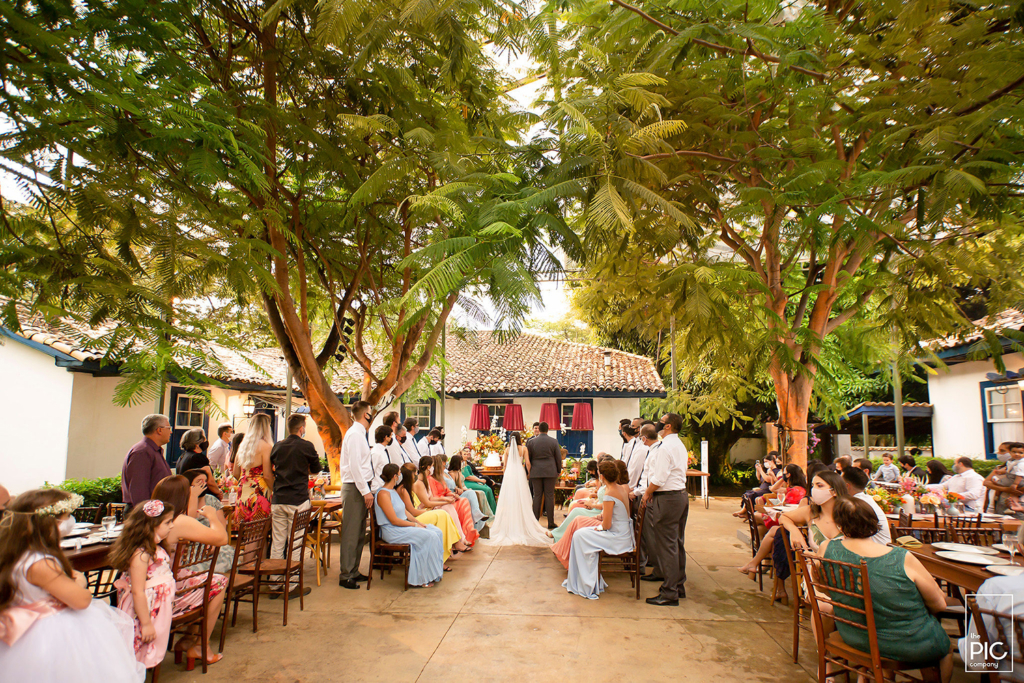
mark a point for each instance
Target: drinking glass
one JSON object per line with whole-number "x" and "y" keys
{"x": 108, "y": 524}
{"x": 1010, "y": 541}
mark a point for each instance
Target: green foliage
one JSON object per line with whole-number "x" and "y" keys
{"x": 738, "y": 474}
{"x": 96, "y": 492}
{"x": 982, "y": 467}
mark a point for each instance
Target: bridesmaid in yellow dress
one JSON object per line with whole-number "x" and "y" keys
{"x": 451, "y": 536}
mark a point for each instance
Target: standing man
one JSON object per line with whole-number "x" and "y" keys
{"x": 396, "y": 453}
{"x": 356, "y": 474}
{"x": 649, "y": 439}
{"x": 293, "y": 459}
{"x": 145, "y": 464}
{"x": 408, "y": 443}
{"x": 390, "y": 419}
{"x": 629, "y": 441}
{"x": 220, "y": 452}
{"x": 536, "y": 430}
{"x": 434, "y": 445}
{"x": 634, "y": 455}
{"x": 545, "y": 464}
{"x": 379, "y": 456}
{"x": 968, "y": 483}
{"x": 669, "y": 507}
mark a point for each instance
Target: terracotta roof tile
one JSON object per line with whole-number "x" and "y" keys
{"x": 1011, "y": 318}
{"x": 477, "y": 363}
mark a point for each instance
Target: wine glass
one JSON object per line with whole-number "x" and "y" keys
{"x": 108, "y": 523}
{"x": 1010, "y": 541}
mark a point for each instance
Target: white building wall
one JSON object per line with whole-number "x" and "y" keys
{"x": 35, "y": 405}
{"x": 100, "y": 433}
{"x": 958, "y": 426}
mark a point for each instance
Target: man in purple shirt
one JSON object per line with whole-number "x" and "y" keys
{"x": 145, "y": 465}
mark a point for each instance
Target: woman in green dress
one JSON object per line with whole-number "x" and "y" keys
{"x": 904, "y": 595}
{"x": 456, "y": 464}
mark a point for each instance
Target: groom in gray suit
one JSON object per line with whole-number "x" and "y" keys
{"x": 545, "y": 465}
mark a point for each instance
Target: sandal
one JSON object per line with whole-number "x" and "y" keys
{"x": 447, "y": 568}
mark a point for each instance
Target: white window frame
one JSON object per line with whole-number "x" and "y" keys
{"x": 194, "y": 408}
{"x": 424, "y": 422}
{"x": 989, "y": 391}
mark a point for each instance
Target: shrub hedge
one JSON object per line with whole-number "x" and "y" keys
{"x": 96, "y": 492}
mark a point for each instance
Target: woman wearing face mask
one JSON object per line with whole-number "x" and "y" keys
{"x": 432, "y": 494}
{"x": 51, "y": 629}
{"x": 825, "y": 488}
{"x": 193, "y": 457}
{"x": 796, "y": 485}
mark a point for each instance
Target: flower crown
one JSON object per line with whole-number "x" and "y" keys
{"x": 67, "y": 505}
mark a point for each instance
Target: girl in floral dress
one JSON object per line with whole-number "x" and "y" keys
{"x": 252, "y": 469}
{"x": 146, "y": 579}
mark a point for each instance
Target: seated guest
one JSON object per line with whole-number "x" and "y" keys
{"x": 910, "y": 468}
{"x": 591, "y": 516}
{"x": 197, "y": 499}
{"x": 842, "y": 462}
{"x": 796, "y": 490}
{"x": 451, "y": 536}
{"x": 434, "y": 495}
{"x": 174, "y": 491}
{"x": 484, "y": 495}
{"x": 999, "y": 594}
{"x": 193, "y": 457}
{"x": 966, "y": 482}
{"x": 904, "y": 594}
{"x": 856, "y": 480}
{"x": 51, "y": 628}
{"x": 887, "y": 472}
{"x": 587, "y": 491}
{"x": 472, "y": 481}
{"x": 442, "y": 476}
{"x": 937, "y": 472}
{"x": 474, "y": 474}
{"x": 426, "y": 554}
{"x": 766, "y": 476}
{"x": 590, "y": 507}
{"x": 614, "y": 536}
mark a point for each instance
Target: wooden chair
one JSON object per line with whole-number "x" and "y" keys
{"x": 766, "y": 566}
{"x": 957, "y": 524}
{"x": 118, "y": 511}
{"x": 318, "y": 539}
{"x": 980, "y": 536}
{"x": 628, "y": 563}
{"x": 1000, "y": 620}
{"x": 101, "y": 584}
{"x": 800, "y": 602}
{"x": 90, "y": 515}
{"x": 825, "y": 580}
{"x": 923, "y": 534}
{"x": 276, "y": 576}
{"x": 188, "y": 558}
{"x": 386, "y": 555}
{"x": 250, "y": 547}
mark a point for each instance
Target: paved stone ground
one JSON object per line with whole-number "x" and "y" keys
{"x": 502, "y": 614}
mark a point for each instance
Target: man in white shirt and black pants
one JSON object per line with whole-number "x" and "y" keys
{"x": 649, "y": 440}
{"x": 634, "y": 454}
{"x": 356, "y": 475}
{"x": 668, "y": 507}
{"x": 380, "y": 456}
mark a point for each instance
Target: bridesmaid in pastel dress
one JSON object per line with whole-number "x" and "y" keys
{"x": 561, "y": 548}
{"x": 479, "y": 518}
{"x": 476, "y": 483}
{"x": 588, "y": 491}
{"x": 426, "y": 563}
{"x": 592, "y": 508}
{"x": 437, "y": 494}
{"x": 614, "y": 536}
{"x": 451, "y": 535}
{"x": 459, "y": 481}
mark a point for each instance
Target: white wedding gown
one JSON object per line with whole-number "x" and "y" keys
{"x": 514, "y": 523}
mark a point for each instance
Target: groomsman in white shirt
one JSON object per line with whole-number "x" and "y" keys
{"x": 409, "y": 442}
{"x": 668, "y": 508}
{"x": 379, "y": 456}
{"x": 396, "y": 453}
{"x": 649, "y": 439}
{"x": 356, "y": 475}
{"x": 634, "y": 454}
{"x": 434, "y": 445}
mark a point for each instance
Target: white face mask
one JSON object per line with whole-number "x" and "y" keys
{"x": 1002, "y": 457}
{"x": 66, "y": 526}
{"x": 430, "y": 471}
{"x": 821, "y": 496}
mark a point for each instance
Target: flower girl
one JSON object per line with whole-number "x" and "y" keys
{"x": 146, "y": 579}
{"x": 51, "y": 630}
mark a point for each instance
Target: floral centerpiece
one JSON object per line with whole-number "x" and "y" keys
{"x": 570, "y": 474}
{"x": 889, "y": 501}
{"x": 316, "y": 486}
{"x": 487, "y": 448}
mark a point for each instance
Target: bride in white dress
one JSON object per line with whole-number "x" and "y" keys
{"x": 514, "y": 523}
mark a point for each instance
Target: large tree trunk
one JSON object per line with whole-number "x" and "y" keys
{"x": 794, "y": 398}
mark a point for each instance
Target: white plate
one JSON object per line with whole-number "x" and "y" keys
{"x": 971, "y": 558}
{"x": 1014, "y": 570}
{"x": 69, "y": 543}
{"x": 964, "y": 548}
{"x": 84, "y": 525}
{"x": 1002, "y": 547}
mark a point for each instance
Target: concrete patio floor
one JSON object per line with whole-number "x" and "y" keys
{"x": 502, "y": 614}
